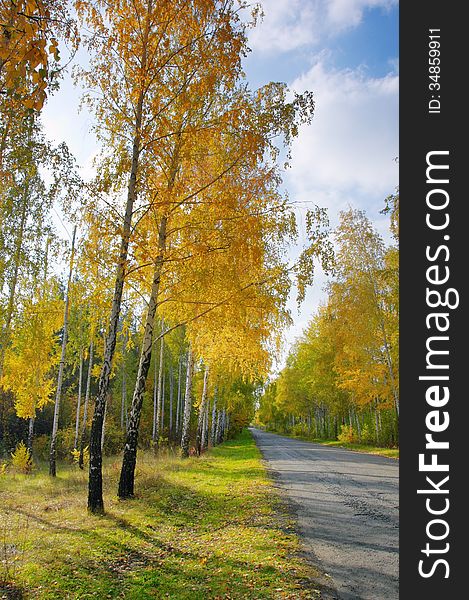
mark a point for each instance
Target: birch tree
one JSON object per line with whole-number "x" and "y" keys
{"x": 55, "y": 423}
{"x": 199, "y": 75}
{"x": 32, "y": 355}
{"x": 201, "y": 424}
{"x": 29, "y": 48}
{"x": 127, "y": 69}
{"x": 158, "y": 392}
{"x": 361, "y": 264}
{"x": 185, "y": 439}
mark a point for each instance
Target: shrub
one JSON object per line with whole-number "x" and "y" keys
{"x": 300, "y": 429}
{"x": 347, "y": 434}
{"x": 41, "y": 447}
{"x": 113, "y": 438}
{"x": 65, "y": 443}
{"x": 113, "y": 443}
{"x": 366, "y": 436}
{"x": 21, "y": 459}
{"x": 86, "y": 455}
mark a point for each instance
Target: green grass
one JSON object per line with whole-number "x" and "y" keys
{"x": 389, "y": 452}
{"x": 201, "y": 528}
{"x": 367, "y": 449}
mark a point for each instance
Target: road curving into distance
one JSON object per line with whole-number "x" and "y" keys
{"x": 347, "y": 506}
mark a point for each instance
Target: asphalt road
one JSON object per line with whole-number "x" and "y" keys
{"x": 347, "y": 508}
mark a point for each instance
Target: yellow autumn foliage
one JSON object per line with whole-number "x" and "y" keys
{"x": 21, "y": 458}
{"x": 32, "y": 355}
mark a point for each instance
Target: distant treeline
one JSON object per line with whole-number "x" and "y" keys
{"x": 342, "y": 376}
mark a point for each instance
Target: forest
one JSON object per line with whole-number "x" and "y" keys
{"x": 154, "y": 322}
{"x": 142, "y": 309}
{"x": 341, "y": 379}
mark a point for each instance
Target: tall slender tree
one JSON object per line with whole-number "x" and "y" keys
{"x": 185, "y": 439}
{"x": 159, "y": 394}
{"x": 140, "y": 78}
{"x": 200, "y": 441}
{"x": 58, "y": 395}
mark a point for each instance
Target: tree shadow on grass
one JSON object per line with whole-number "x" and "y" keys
{"x": 165, "y": 548}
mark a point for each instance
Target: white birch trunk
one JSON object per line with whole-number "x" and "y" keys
{"x": 214, "y": 418}
{"x": 85, "y": 407}
{"x": 31, "y": 434}
{"x": 171, "y": 393}
{"x": 204, "y": 442}
{"x": 104, "y": 427}
{"x": 127, "y": 476}
{"x": 178, "y": 403}
{"x": 55, "y": 423}
{"x": 157, "y": 405}
{"x": 124, "y": 384}
{"x": 163, "y": 392}
{"x": 218, "y": 427}
{"x": 202, "y": 410}
{"x": 187, "y": 406}
{"x": 77, "y": 421}
{"x": 95, "y": 480}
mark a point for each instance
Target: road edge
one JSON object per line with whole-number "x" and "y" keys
{"x": 324, "y": 583}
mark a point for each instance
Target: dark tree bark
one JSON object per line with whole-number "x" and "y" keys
{"x": 127, "y": 476}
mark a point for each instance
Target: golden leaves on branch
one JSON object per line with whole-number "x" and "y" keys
{"x": 29, "y": 48}
{"x": 33, "y": 354}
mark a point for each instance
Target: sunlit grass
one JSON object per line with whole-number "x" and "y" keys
{"x": 200, "y": 528}
{"x": 366, "y": 448}
{"x": 389, "y": 452}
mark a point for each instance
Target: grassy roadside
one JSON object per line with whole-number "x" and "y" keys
{"x": 208, "y": 528}
{"x": 365, "y": 448}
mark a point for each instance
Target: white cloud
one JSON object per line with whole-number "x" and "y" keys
{"x": 291, "y": 24}
{"x": 347, "y": 154}
{"x": 343, "y": 14}
{"x": 286, "y": 25}
{"x": 345, "y": 157}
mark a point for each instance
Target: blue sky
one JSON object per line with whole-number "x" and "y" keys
{"x": 371, "y": 43}
{"x": 346, "y": 53}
